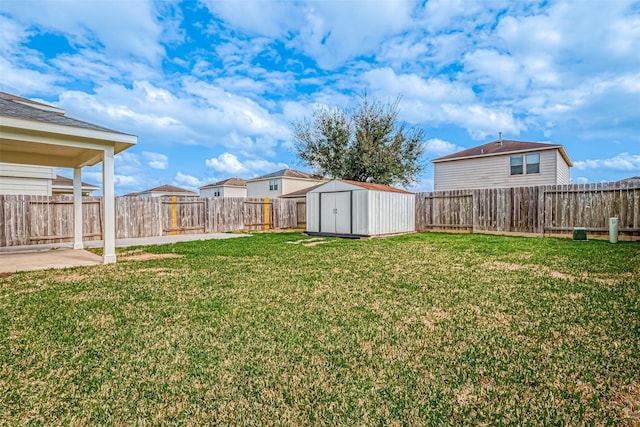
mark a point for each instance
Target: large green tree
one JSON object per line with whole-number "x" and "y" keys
{"x": 368, "y": 144}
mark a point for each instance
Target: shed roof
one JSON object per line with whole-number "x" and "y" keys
{"x": 505, "y": 146}
{"x": 229, "y": 182}
{"x": 376, "y": 187}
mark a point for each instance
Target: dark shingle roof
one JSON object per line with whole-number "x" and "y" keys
{"x": 229, "y": 182}
{"x": 502, "y": 147}
{"x": 290, "y": 173}
{"x": 168, "y": 189}
{"x": 16, "y": 107}
{"x": 62, "y": 181}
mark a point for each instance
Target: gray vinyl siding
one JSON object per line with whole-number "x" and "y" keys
{"x": 27, "y": 171}
{"x": 495, "y": 172}
{"x": 25, "y": 186}
{"x": 286, "y": 185}
{"x": 563, "y": 177}
{"x": 26, "y": 179}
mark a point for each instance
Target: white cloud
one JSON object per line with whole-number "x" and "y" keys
{"x": 621, "y": 162}
{"x": 122, "y": 28}
{"x": 438, "y": 147}
{"x": 228, "y": 163}
{"x": 188, "y": 181}
{"x": 156, "y": 160}
{"x": 125, "y": 180}
{"x": 329, "y": 32}
{"x": 441, "y": 101}
{"x": 481, "y": 121}
{"x": 580, "y": 180}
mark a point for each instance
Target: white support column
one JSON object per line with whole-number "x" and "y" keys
{"x": 108, "y": 196}
{"x": 77, "y": 209}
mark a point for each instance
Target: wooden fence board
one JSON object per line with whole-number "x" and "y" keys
{"x": 547, "y": 209}
{"x": 543, "y": 209}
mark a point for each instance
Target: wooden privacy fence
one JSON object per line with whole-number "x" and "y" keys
{"x": 26, "y": 220}
{"x": 543, "y": 209}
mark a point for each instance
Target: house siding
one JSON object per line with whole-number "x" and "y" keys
{"x": 224, "y": 192}
{"x": 563, "y": 170}
{"x": 260, "y": 189}
{"x": 26, "y": 179}
{"x": 494, "y": 172}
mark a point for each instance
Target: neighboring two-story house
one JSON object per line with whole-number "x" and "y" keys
{"x": 231, "y": 187}
{"x": 502, "y": 163}
{"x": 282, "y": 182}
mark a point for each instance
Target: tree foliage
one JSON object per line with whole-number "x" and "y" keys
{"x": 368, "y": 144}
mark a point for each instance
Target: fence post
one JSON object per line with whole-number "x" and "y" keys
{"x": 266, "y": 213}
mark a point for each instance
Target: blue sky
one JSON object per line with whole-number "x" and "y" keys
{"x": 211, "y": 87}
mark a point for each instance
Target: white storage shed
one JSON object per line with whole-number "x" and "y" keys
{"x": 359, "y": 209}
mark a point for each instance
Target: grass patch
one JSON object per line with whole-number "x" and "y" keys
{"x": 411, "y": 330}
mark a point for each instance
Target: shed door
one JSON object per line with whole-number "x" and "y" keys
{"x": 335, "y": 212}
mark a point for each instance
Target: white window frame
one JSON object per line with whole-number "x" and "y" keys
{"x": 526, "y": 160}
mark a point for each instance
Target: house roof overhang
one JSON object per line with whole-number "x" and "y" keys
{"x": 50, "y": 144}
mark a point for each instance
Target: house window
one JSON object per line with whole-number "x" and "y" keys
{"x": 273, "y": 184}
{"x": 525, "y": 164}
{"x": 216, "y": 192}
{"x": 516, "y": 165}
{"x": 533, "y": 163}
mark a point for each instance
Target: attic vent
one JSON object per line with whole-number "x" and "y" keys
{"x": 482, "y": 151}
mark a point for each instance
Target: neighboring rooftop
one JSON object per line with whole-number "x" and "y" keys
{"x": 26, "y": 109}
{"x": 289, "y": 173}
{"x": 169, "y": 189}
{"x": 503, "y": 147}
{"x": 632, "y": 180}
{"x": 61, "y": 181}
{"x": 229, "y": 182}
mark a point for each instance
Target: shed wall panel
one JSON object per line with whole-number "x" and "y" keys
{"x": 391, "y": 213}
{"x": 360, "y": 212}
{"x": 313, "y": 212}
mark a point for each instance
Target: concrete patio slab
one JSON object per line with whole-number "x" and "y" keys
{"x": 43, "y": 260}
{"x": 62, "y": 255}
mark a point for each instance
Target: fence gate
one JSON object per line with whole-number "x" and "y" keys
{"x": 258, "y": 214}
{"x": 301, "y": 214}
{"x": 183, "y": 215}
{"x": 454, "y": 211}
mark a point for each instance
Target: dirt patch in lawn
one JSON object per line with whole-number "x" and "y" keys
{"x": 141, "y": 255}
{"x": 627, "y": 401}
{"x": 541, "y": 271}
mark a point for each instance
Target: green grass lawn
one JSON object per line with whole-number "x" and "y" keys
{"x": 427, "y": 329}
